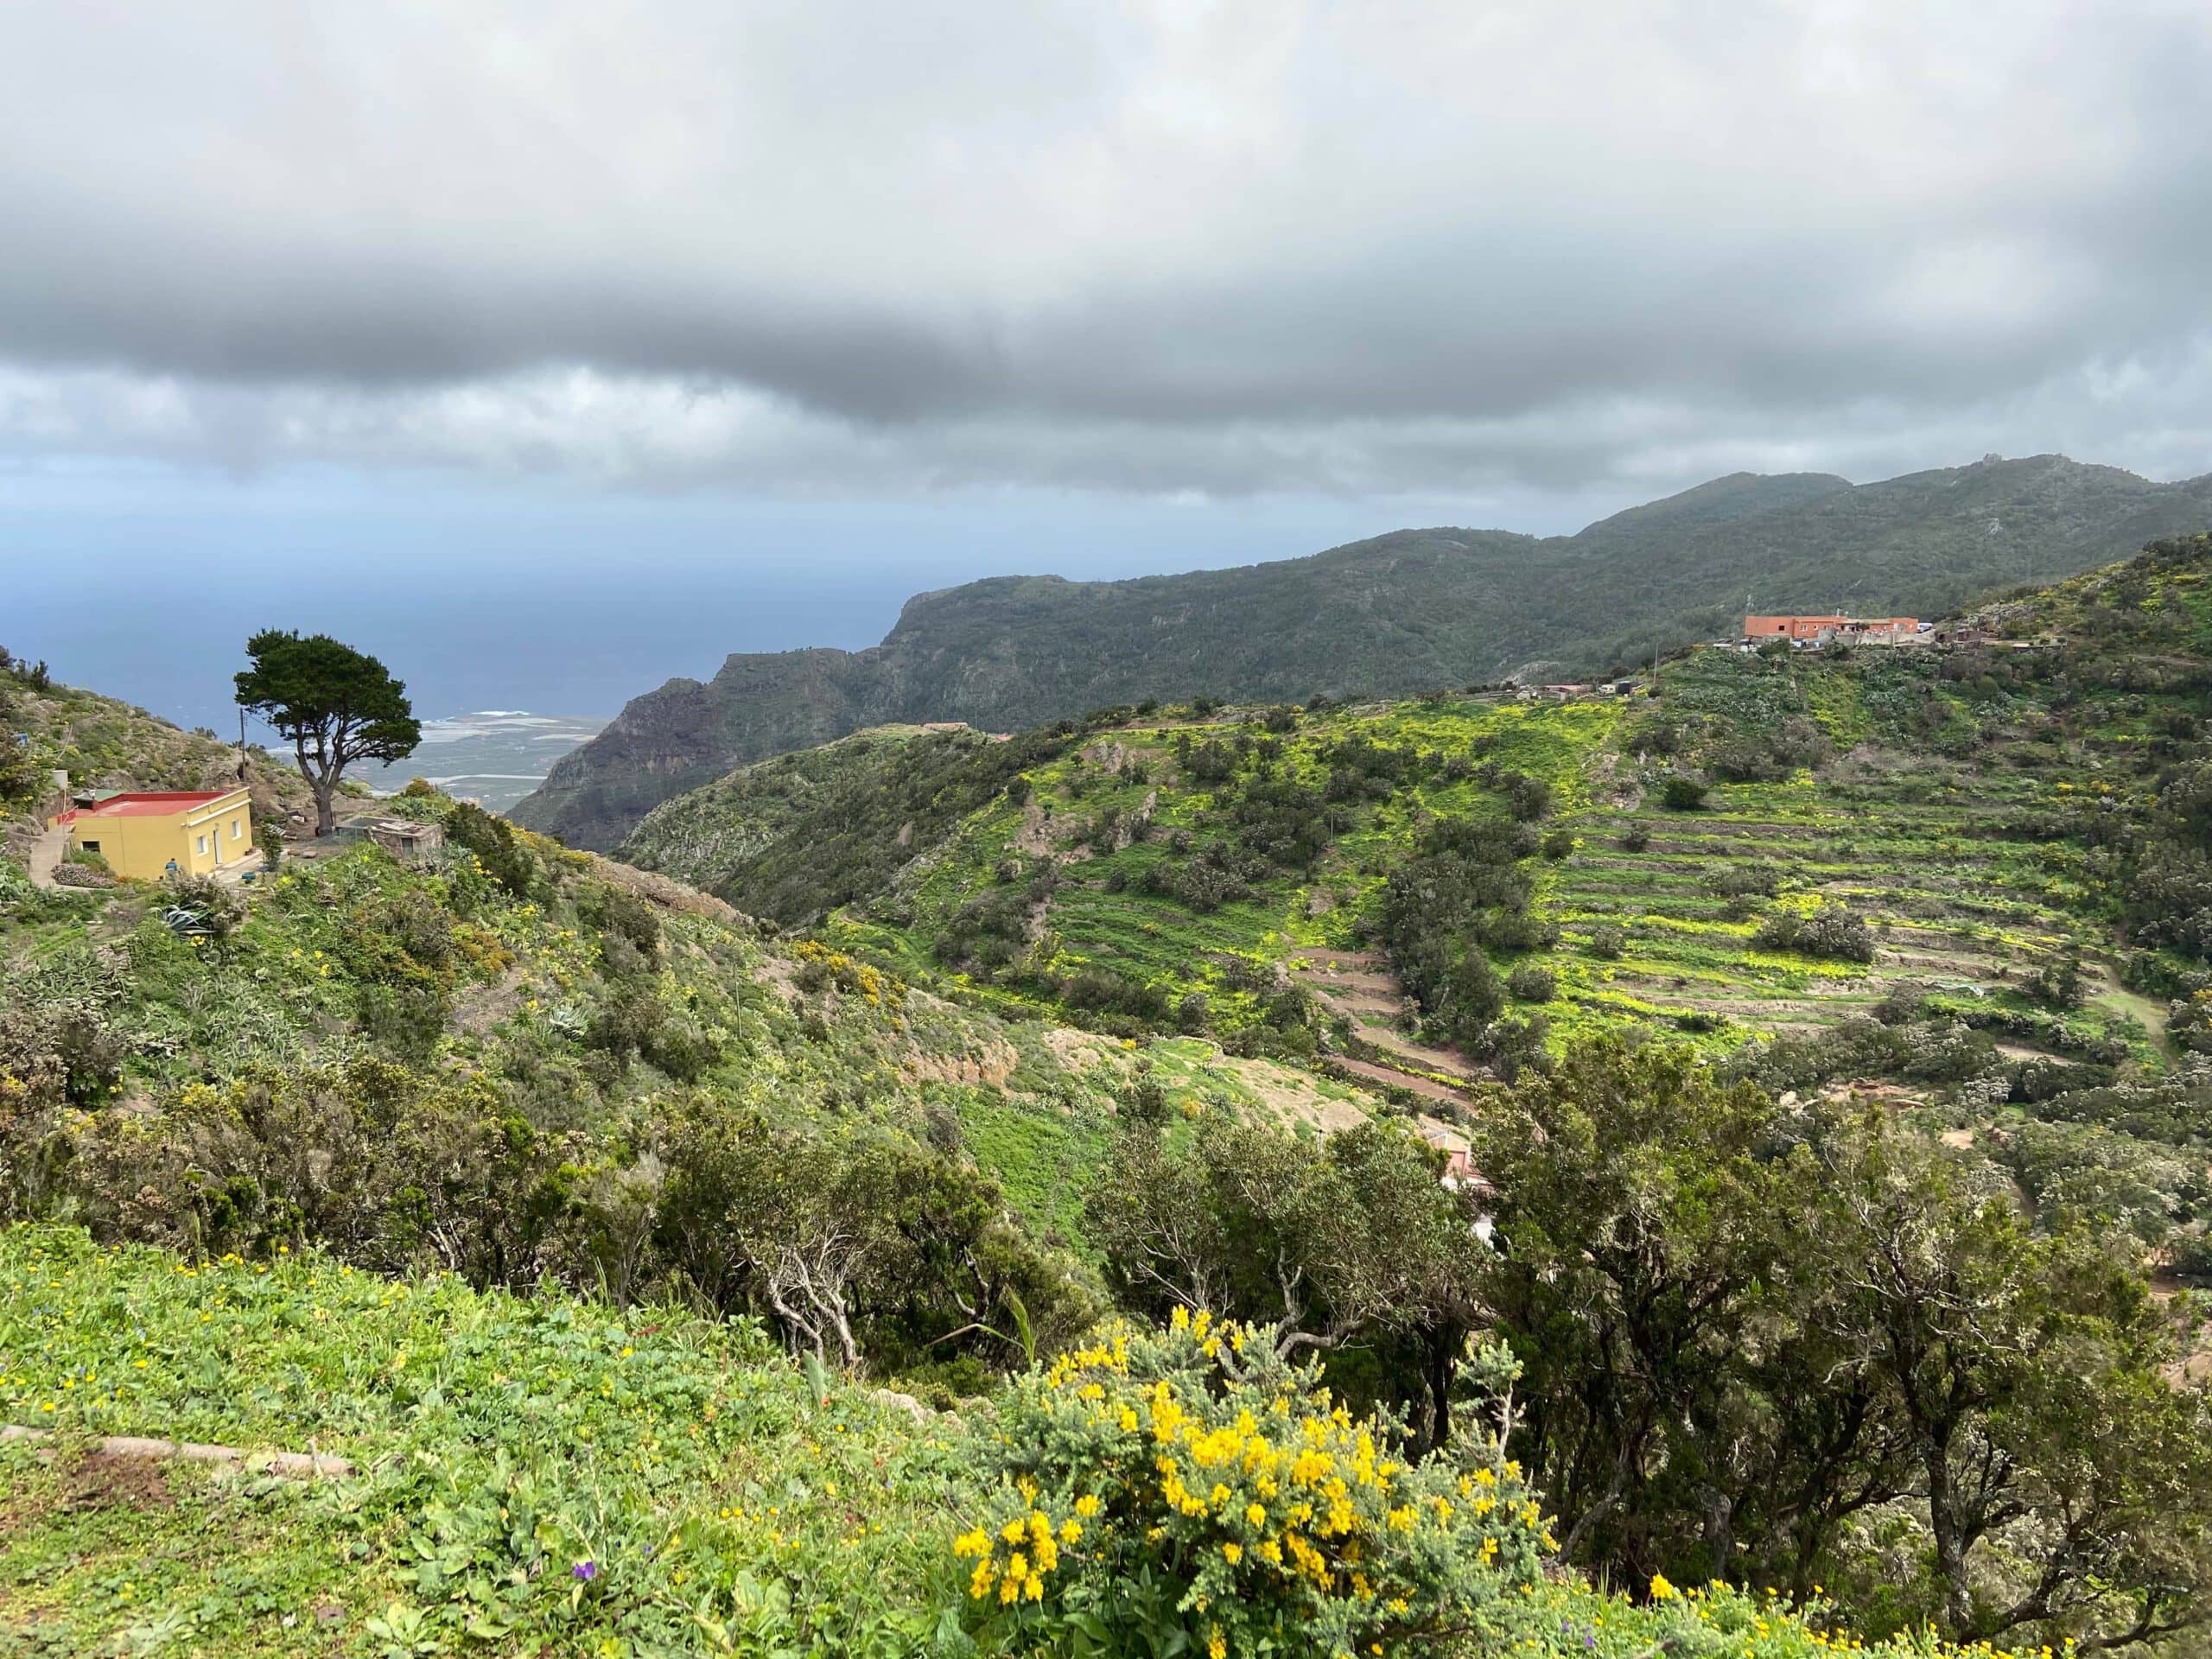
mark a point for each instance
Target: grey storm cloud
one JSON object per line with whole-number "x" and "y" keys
{"x": 1150, "y": 247}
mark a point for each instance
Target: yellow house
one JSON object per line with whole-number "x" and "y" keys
{"x": 141, "y": 835}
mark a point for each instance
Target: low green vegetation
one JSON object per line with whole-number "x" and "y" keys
{"x": 1267, "y": 1179}
{"x": 803, "y": 833}
{"x": 543, "y": 1474}
{"x": 1973, "y": 872}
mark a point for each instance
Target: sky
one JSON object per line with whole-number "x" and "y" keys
{"x": 407, "y": 306}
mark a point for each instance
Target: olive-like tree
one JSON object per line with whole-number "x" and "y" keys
{"x": 334, "y": 704}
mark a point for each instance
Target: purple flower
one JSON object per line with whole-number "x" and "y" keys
{"x": 1589, "y": 1639}
{"x": 586, "y": 1571}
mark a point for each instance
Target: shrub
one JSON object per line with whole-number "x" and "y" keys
{"x": 630, "y": 927}
{"x": 1528, "y": 799}
{"x": 1194, "y": 1491}
{"x": 201, "y": 903}
{"x": 2059, "y": 984}
{"x": 1634, "y": 838}
{"x": 1683, "y": 794}
{"x": 1831, "y": 931}
{"x": 1903, "y": 1003}
{"x": 1607, "y": 940}
{"x": 1532, "y": 983}
{"x": 1558, "y": 844}
{"x": 1146, "y": 1100}
{"x": 493, "y": 840}
{"x": 1754, "y": 878}
{"x": 71, "y": 873}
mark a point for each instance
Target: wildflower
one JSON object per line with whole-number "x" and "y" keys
{"x": 584, "y": 1571}
{"x": 1660, "y": 1589}
{"x": 1232, "y": 1553}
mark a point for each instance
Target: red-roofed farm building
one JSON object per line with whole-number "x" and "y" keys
{"x": 141, "y": 835}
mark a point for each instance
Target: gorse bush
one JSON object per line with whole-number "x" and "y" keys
{"x": 1193, "y": 1491}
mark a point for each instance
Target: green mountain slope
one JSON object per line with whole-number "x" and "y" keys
{"x": 1955, "y": 869}
{"x": 1399, "y": 613}
{"x": 514, "y": 1061}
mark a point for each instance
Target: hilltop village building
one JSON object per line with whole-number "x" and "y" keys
{"x": 143, "y": 834}
{"x": 1829, "y": 630}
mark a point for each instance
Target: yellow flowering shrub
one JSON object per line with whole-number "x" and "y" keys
{"x": 1194, "y": 1482}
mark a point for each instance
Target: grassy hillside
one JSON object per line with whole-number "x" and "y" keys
{"x": 1396, "y": 616}
{"x": 806, "y": 832}
{"x": 519, "y": 1062}
{"x": 46, "y": 727}
{"x": 527, "y": 1475}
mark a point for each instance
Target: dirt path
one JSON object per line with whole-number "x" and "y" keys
{"x": 1419, "y": 1085}
{"x": 1358, "y": 986}
{"x": 46, "y": 854}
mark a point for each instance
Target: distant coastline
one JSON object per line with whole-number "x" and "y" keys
{"x": 493, "y": 756}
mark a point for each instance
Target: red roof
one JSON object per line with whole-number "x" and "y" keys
{"x": 148, "y": 803}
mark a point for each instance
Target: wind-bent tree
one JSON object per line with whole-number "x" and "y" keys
{"x": 334, "y": 704}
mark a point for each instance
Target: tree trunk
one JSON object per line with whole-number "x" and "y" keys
{"x": 322, "y": 780}
{"x": 1950, "y": 1547}
{"x": 1441, "y": 1371}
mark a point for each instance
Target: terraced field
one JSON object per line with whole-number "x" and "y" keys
{"x": 1954, "y": 863}
{"x": 1959, "y": 908}
{"x": 1306, "y": 925}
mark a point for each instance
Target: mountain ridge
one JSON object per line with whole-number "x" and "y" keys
{"x": 1406, "y": 611}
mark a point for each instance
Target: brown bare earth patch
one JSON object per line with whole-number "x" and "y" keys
{"x": 1392, "y": 1050}
{"x": 102, "y": 1480}
{"x": 1079, "y": 1051}
{"x": 989, "y": 1067}
{"x": 1291, "y": 1094}
{"x": 666, "y": 891}
{"x": 483, "y": 1007}
{"x": 1034, "y": 837}
{"x": 1359, "y": 987}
